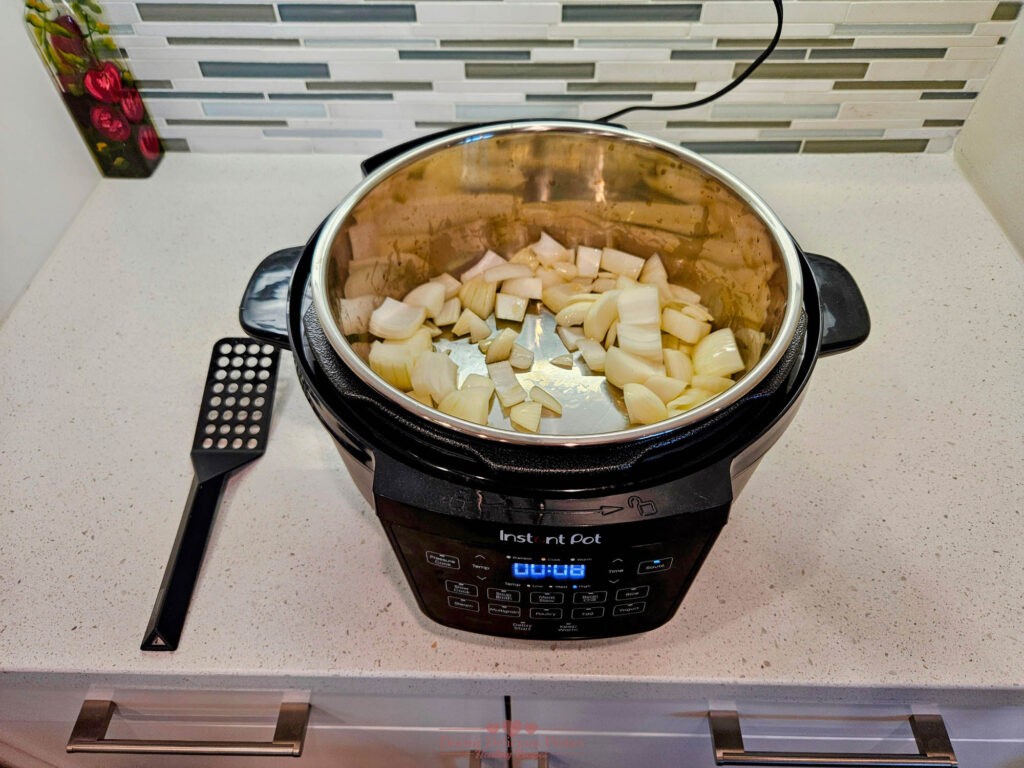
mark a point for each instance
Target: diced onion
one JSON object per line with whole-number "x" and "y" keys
{"x": 691, "y": 398}
{"x": 506, "y": 385}
{"x": 640, "y": 305}
{"x": 451, "y": 285}
{"x": 588, "y": 261}
{"x": 622, "y": 368}
{"x": 678, "y": 365}
{"x": 570, "y": 337}
{"x": 526, "y": 287}
{"x": 594, "y": 354}
{"x": 549, "y": 248}
{"x": 640, "y": 340}
{"x": 573, "y": 314}
{"x": 520, "y": 358}
{"x": 601, "y": 315}
{"x": 717, "y": 354}
{"x": 713, "y": 384}
{"x": 449, "y": 314}
{"x": 666, "y": 387}
{"x": 470, "y": 323}
{"x": 478, "y": 295}
{"x": 562, "y": 361}
{"x": 396, "y": 320}
{"x": 507, "y": 272}
{"x": 526, "y": 416}
{"x": 546, "y": 399}
{"x": 430, "y": 296}
{"x": 478, "y": 380}
{"x": 436, "y": 374}
{"x": 508, "y": 307}
{"x": 501, "y": 346}
{"x": 683, "y": 327}
{"x": 471, "y": 404}
{"x": 642, "y": 405}
{"x": 488, "y": 260}
{"x": 621, "y": 263}
{"x": 653, "y": 271}
{"x": 393, "y": 363}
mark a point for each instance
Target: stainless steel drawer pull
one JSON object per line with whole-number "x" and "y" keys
{"x": 94, "y": 719}
{"x": 934, "y": 747}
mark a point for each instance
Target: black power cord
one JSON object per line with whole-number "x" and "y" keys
{"x": 721, "y": 92}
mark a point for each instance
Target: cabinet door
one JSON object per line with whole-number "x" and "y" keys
{"x": 364, "y": 731}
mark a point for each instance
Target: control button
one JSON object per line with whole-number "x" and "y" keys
{"x": 654, "y": 566}
{"x": 616, "y": 567}
{"x": 545, "y": 613}
{"x": 593, "y": 612}
{"x": 503, "y": 595}
{"x": 626, "y": 609}
{"x": 480, "y": 567}
{"x": 461, "y": 588}
{"x": 463, "y": 604}
{"x": 512, "y": 611}
{"x": 547, "y": 598}
{"x": 632, "y": 593}
{"x": 443, "y": 561}
{"x": 589, "y": 598}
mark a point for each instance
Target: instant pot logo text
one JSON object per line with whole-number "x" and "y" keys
{"x": 551, "y": 539}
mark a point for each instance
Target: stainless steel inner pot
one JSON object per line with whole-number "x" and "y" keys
{"x": 440, "y": 206}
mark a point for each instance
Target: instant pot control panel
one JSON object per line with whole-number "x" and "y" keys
{"x": 549, "y": 582}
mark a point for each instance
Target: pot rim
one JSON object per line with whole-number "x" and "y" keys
{"x": 787, "y": 247}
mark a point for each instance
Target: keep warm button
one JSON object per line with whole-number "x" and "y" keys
{"x": 654, "y": 566}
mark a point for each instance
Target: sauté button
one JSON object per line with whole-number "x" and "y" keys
{"x": 463, "y": 604}
{"x": 654, "y": 566}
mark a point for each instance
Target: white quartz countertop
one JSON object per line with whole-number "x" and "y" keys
{"x": 880, "y": 543}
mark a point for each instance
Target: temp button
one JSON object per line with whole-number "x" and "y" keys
{"x": 654, "y": 566}
{"x": 443, "y": 561}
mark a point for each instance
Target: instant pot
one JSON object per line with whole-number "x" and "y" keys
{"x": 592, "y": 527}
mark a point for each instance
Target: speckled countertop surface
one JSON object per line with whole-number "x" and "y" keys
{"x": 880, "y": 544}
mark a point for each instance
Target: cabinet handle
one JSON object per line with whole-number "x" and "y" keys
{"x": 91, "y": 728}
{"x": 934, "y": 747}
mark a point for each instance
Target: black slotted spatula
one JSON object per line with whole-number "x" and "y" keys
{"x": 231, "y": 432}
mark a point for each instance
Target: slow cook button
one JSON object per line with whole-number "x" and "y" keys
{"x": 442, "y": 560}
{"x": 545, "y": 613}
{"x": 632, "y": 593}
{"x": 547, "y": 598}
{"x": 497, "y": 609}
{"x": 461, "y": 588}
{"x": 627, "y": 609}
{"x": 593, "y": 612}
{"x": 589, "y": 598}
{"x": 503, "y": 595}
{"x": 654, "y": 566}
{"x": 463, "y": 604}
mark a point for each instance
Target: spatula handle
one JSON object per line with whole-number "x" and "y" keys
{"x": 179, "y": 580}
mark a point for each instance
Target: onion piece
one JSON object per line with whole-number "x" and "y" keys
{"x": 678, "y": 365}
{"x": 691, "y": 398}
{"x": 526, "y": 416}
{"x": 593, "y": 353}
{"x": 621, "y": 263}
{"x": 665, "y": 387}
{"x": 570, "y": 337}
{"x": 546, "y": 399}
{"x": 557, "y": 296}
{"x": 640, "y": 340}
{"x": 573, "y": 314}
{"x": 603, "y": 284}
{"x": 653, "y": 271}
{"x": 393, "y": 363}
{"x": 520, "y": 358}
{"x": 588, "y": 261}
{"x": 526, "y": 287}
{"x": 470, "y": 323}
{"x": 396, "y": 320}
{"x": 683, "y": 327}
{"x": 506, "y": 385}
{"x": 507, "y": 272}
{"x": 713, "y": 384}
{"x": 613, "y": 335}
{"x": 717, "y": 354}
{"x": 549, "y": 250}
{"x": 488, "y": 260}
{"x": 642, "y": 405}
{"x": 601, "y": 315}
{"x": 449, "y": 314}
{"x": 562, "y": 361}
{"x": 478, "y": 295}
{"x": 501, "y": 346}
{"x": 436, "y": 374}
{"x": 478, "y": 380}
{"x": 508, "y": 307}
{"x": 470, "y": 404}
{"x": 354, "y": 314}
{"x": 621, "y": 368}
{"x": 640, "y": 305}
{"x": 451, "y": 285}
{"x": 430, "y": 296}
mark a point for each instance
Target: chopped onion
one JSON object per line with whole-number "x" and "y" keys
{"x": 478, "y": 380}
{"x": 526, "y": 416}
{"x": 653, "y": 271}
{"x": 449, "y": 313}
{"x": 573, "y": 314}
{"x": 566, "y": 269}
{"x": 393, "y": 363}
{"x": 603, "y": 284}
{"x": 665, "y": 387}
{"x": 684, "y": 295}
{"x": 421, "y": 341}
{"x": 640, "y": 305}
{"x": 506, "y": 385}
{"x": 621, "y": 263}
{"x": 593, "y": 354}
{"x": 470, "y": 323}
{"x": 713, "y": 384}
{"x": 557, "y": 296}
{"x": 471, "y": 404}
{"x": 613, "y": 335}
{"x": 601, "y": 315}
{"x": 478, "y": 295}
{"x": 526, "y": 287}
{"x": 501, "y": 346}
{"x": 683, "y": 327}
{"x": 484, "y": 345}
{"x": 546, "y": 399}
{"x": 422, "y": 397}
{"x": 436, "y": 374}
{"x": 510, "y": 307}
{"x": 570, "y": 337}
{"x": 678, "y": 365}
{"x": 520, "y": 358}
{"x": 717, "y": 354}
{"x": 451, "y": 285}
{"x": 488, "y": 260}
{"x": 691, "y": 398}
{"x": 549, "y": 248}
{"x": 621, "y": 368}
{"x": 640, "y": 340}
{"x": 507, "y": 272}
{"x": 562, "y": 361}
{"x": 354, "y": 314}
{"x": 642, "y": 405}
{"x": 588, "y": 261}
{"x": 430, "y": 296}
{"x": 548, "y": 277}
{"x": 396, "y": 320}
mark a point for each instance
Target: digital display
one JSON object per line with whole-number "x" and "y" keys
{"x": 538, "y": 571}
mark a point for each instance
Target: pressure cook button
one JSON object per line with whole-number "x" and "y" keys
{"x": 503, "y": 595}
{"x": 442, "y": 560}
{"x": 654, "y": 566}
{"x": 512, "y": 611}
{"x": 461, "y": 588}
{"x": 463, "y": 604}
{"x": 547, "y": 598}
{"x": 545, "y": 613}
{"x": 632, "y": 593}
{"x": 589, "y": 598}
{"x": 593, "y": 612}
{"x": 628, "y": 609}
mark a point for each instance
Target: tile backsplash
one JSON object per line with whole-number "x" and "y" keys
{"x": 856, "y": 76}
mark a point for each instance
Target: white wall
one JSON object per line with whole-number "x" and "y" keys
{"x": 46, "y": 171}
{"x": 990, "y": 148}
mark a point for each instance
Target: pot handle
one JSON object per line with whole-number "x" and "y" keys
{"x": 263, "y": 312}
{"x": 845, "y": 320}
